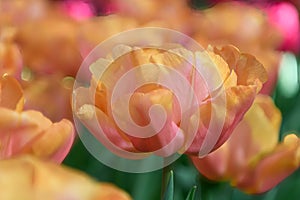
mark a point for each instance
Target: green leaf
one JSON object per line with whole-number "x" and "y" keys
{"x": 192, "y": 192}
{"x": 169, "y": 192}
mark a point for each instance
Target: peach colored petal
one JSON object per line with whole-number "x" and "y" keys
{"x": 10, "y": 55}
{"x": 44, "y": 180}
{"x": 255, "y": 135}
{"x": 30, "y": 132}
{"x": 270, "y": 110}
{"x": 100, "y": 95}
{"x": 18, "y": 129}
{"x": 265, "y": 120}
{"x": 208, "y": 167}
{"x": 247, "y": 139}
{"x": 272, "y": 168}
{"x": 248, "y": 69}
{"x": 103, "y": 129}
{"x": 11, "y": 93}
{"x": 55, "y": 142}
{"x": 252, "y": 159}
{"x": 158, "y": 131}
{"x": 98, "y": 123}
{"x": 238, "y": 101}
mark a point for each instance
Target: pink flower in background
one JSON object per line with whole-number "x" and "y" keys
{"x": 285, "y": 17}
{"x": 79, "y": 9}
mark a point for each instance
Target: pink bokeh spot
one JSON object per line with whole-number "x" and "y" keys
{"x": 285, "y": 17}
{"x": 79, "y": 10}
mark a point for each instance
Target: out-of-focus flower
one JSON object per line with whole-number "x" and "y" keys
{"x": 79, "y": 10}
{"x": 50, "y": 94}
{"x": 244, "y": 26}
{"x": 10, "y": 56}
{"x": 29, "y": 132}
{"x": 14, "y": 13}
{"x": 158, "y": 13}
{"x": 104, "y": 7}
{"x": 252, "y": 159}
{"x": 50, "y": 50}
{"x": 94, "y": 31}
{"x": 242, "y": 77}
{"x": 45, "y": 49}
{"x": 285, "y": 17}
{"x": 37, "y": 180}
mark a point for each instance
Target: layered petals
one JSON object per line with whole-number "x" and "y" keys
{"x": 170, "y": 97}
{"x": 252, "y": 159}
{"x": 44, "y": 180}
{"x": 29, "y": 132}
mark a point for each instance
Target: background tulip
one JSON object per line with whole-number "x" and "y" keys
{"x": 29, "y": 132}
{"x": 252, "y": 159}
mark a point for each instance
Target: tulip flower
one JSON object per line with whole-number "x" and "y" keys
{"x": 241, "y": 75}
{"x": 252, "y": 159}
{"x": 29, "y": 132}
{"x": 44, "y": 180}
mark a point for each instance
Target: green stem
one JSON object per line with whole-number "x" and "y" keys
{"x": 164, "y": 180}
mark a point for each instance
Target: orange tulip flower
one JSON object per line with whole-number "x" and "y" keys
{"x": 43, "y": 180}
{"x": 241, "y": 75}
{"x": 252, "y": 159}
{"x": 29, "y": 132}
